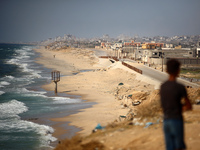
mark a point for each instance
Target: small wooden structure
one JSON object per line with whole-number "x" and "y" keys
{"x": 55, "y": 77}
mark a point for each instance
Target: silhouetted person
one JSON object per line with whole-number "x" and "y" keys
{"x": 171, "y": 94}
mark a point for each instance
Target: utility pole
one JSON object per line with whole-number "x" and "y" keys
{"x": 162, "y": 60}
{"x": 136, "y": 52}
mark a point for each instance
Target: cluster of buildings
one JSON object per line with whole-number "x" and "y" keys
{"x": 154, "y": 50}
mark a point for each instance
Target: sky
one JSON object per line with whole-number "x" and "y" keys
{"x": 36, "y": 20}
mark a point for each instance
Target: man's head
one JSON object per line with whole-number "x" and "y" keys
{"x": 173, "y": 67}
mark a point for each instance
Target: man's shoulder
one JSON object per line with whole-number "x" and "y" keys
{"x": 167, "y": 83}
{"x": 172, "y": 83}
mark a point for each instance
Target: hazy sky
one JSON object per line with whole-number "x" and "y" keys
{"x": 35, "y": 20}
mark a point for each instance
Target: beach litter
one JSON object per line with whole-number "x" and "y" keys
{"x": 148, "y": 124}
{"x": 151, "y": 123}
{"x": 129, "y": 116}
{"x": 129, "y": 96}
{"x": 98, "y": 127}
{"x": 121, "y": 84}
{"x": 197, "y": 102}
{"x": 136, "y": 103}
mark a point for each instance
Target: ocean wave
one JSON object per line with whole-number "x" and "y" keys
{"x": 9, "y": 77}
{"x": 22, "y": 59}
{"x": 1, "y": 92}
{"x": 27, "y": 48}
{"x": 16, "y": 125}
{"x": 19, "y": 81}
{"x": 35, "y": 74}
{"x": 12, "y": 108}
{"x": 24, "y": 79}
{"x": 12, "y": 78}
{"x": 3, "y": 83}
{"x": 63, "y": 100}
{"x": 24, "y": 66}
{"x": 26, "y": 92}
{"x": 10, "y": 122}
{"x": 24, "y": 51}
{"x": 35, "y": 94}
{"x": 46, "y": 135}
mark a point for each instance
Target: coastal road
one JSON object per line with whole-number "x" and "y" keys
{"x": 147, "y": 71}
{"x": 152, "y": 73}
{"x": 158, "y": 75}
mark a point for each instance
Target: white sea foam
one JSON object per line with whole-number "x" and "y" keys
{"x": 13, "y": 61}
{"x": 9, "y": 77}
{"x": 11, "y": 122}
{"x": 63, "y": 100}
{"x": 20, "y": 90}
{"x": 25, "y": 92}
{"x": 2, "y": 83}
{"x": 23, "y": 65}
{"x": 46, "y": 134}
{"x": 22, "y": 59}
{"x": 12, "y": 108}
{"x": 35, "y": 94}
{"x": 35, "y": 74}
{"x": 21, "y": 82}
{"x": 23, "y": 79}
{"x": 1, "y": 92}
{"x": 18, "y": 125}
{"x": 15, "y": 124}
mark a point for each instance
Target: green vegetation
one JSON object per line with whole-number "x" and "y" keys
{"x": 190, "y": 72}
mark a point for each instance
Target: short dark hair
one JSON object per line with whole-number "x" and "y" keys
{"x": 173, "y": 66}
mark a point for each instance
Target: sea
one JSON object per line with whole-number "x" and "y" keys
{"x": 23, "y": 103}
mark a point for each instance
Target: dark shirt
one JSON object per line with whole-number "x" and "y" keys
{"x": 171, "y": 94}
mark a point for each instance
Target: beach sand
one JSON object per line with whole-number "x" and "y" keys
{"x": 96, "y": 86}
{"x": 99, "y": 83}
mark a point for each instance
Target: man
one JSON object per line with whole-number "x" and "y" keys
{"x": 171, "y": 94}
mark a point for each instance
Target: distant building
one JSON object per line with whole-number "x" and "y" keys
{"x": 108, "y": 45}
{"x": 131, "y": 44}
{"x": 198, "y": 52}
{"x": 152, "y": 45}
{"x": 155, "y": 56}
{"x": 198, "y": 49}
{"x": 97, "y": 47}
{"x": 168, "y": 45}
{"x": 178, "y": 47}
{"x": 103, "y": 45}
{"x": 116, "y": 46}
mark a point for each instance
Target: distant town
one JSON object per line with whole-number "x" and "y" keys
{"x": 149, "y": 50}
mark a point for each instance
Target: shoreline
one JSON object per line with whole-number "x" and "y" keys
{"x": 90, "y": 86}
{"x": 58, "y": 125}
{"x": 58, "y": 120}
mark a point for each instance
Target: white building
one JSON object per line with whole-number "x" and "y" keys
{"x": 116, "y": 46}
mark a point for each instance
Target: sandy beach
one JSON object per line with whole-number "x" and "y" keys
{"x": 98, "y": 80}
{"x": 96, "y": 86}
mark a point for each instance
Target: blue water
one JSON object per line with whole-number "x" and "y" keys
{"x": 22, "y": 99}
